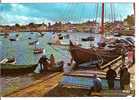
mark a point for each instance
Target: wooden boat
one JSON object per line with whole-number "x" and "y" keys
{"x": 32, "y": 42}
{"x": 98, "y": 55}
{"x": 88, "y": 39}
{"x": 38, "y": 50}
{"x": 9, "y": 67}
{"x": 29, "y": 38}
{"x": 50, "y": 43}
{"x": 58, "y": 66}
{"x": 60, "y": 36}
{"x": 17, "y": 35}
{"x": 8, "y": 61}
{"x": 16, "y": 69}
{"x": 12, "y": 39}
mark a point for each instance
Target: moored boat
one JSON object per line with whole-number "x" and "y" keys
{"x": 12, "y": 39}
{"x": 8, "y": 61}
{"x": 60, "y": 36}
{"x": 38, "y": 50}
{"x": 88, "y": 39}
{"x": 32, "y": 42}
{"x": 97, "y": 55}
{"x": 50, "y": 43}
{"x": 16, "y": 69}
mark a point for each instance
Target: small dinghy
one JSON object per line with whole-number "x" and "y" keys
{"x": 9, "y": 67}
{"x": 88, "y": 39}
{"x": 60, "y": 36}
{"x": 38, "y": 50}
{"x": 33, "y": 42}
{"x": 12, "y": 39}
{"x": 29, "y": 38}
{"x": 8, "y": 61}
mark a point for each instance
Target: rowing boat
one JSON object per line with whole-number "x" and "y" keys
{"x": 8, "y": 61}
{"x": 38, "y": 50}
{"x": 50, "y": 43}
{"x": 16, "y": 69}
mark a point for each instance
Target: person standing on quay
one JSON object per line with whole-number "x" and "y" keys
{"x": 121, "y": 74}
{"x": 130, "y": 56}
{"x": 110, "y": 76}
{"x": 126, "y": 79}
{"x": 123, "y": 54}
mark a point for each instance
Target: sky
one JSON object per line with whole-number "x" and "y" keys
{"x": 23, "y": 13}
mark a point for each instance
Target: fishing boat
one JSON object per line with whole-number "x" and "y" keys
{"x": 60, "y": 36}
{"x": 16, "y": 69}
{"x": 8, "y": 61}
{"x": 12, "y": 39}
{"x": 29, "y": 38}
{"x": 95, "y": 55}
{"x": 38, "y": 50}
{"x": 88, "y": 39}
{"x": 33, "y": 42}
{"x": 98, "y": 55}
{"x": 56, "y": 41}
{"x": 17, "y": 35}
{"x": 50, "y": 43}
{"x": 9, "y": 67}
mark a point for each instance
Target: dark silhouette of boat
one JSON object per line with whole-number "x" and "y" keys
{"x": 60, "y": 36}
{"x": 88, "y": 39}
{"x": 38, "y": 50}
{"x": 12, "y": 39}
{"x": 33, "y": 42}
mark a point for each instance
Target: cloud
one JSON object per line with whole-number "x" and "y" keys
{"x": 65, "y": 12}
{"x": 21, "y": 19}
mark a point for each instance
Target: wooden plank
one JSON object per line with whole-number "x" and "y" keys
{"x": 114, "y": 66}
{"x": 104, "y": 66}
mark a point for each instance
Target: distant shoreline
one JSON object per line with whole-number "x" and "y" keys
{"x": 7, "y": 32}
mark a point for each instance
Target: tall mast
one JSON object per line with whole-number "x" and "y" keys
{"x": 102, "y": 19}
{"x": 134, "y": 8}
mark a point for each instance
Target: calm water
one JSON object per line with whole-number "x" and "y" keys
{"x": 23, "y": 52}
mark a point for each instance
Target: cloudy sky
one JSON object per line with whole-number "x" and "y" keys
{"x": 65, "y": 12}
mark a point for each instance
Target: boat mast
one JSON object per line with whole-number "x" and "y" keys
{"x": 102, "y": 19}
{"x": 134, "y": 8}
